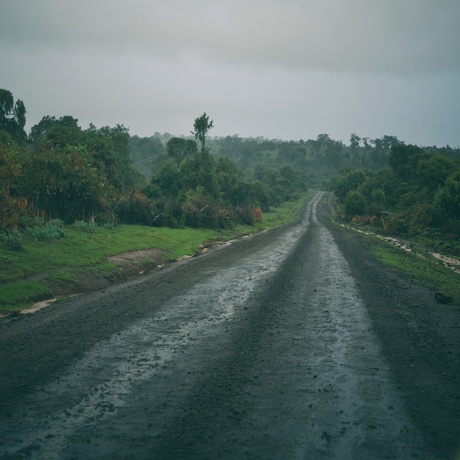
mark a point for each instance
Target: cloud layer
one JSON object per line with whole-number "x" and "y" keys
{"x": 259, "y": 62}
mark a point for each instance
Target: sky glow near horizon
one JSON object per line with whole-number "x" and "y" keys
{"x": 282, "y": 70}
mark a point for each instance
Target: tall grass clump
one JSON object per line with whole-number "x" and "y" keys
{"x": 12, "y": 240}
{"x": 50, "y": 230}
{"x": 88, "y": 227}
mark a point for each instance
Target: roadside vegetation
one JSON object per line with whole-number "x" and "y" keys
{"x": 419, "y": 266}
{"x": 38, "y": 268}
{"x": 415, "y": 263}
{"x": 71, "y": 198}
{"x": 416, "y": 197}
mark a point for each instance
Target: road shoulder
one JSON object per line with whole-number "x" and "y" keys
{"x": 420, "y": 339}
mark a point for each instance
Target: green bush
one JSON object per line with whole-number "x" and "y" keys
{"x": 88, "y": 227}
{"x": 51, "y": 230}
{"x": 355, "y": 204}
{"x": 12, "y": 240}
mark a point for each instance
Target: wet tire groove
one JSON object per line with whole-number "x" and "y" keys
{"x": 215, "y": 404}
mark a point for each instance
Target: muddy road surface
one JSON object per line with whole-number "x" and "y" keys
{"x": 293, "y": 344}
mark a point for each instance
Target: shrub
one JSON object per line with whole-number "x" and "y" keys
{"x": 355, "y": 204}
{"x": 12, "y": 240}
{"x": 109, "y": 225}
{"x": 88, "y": 227}
{"x": 135, "y": 208}
{"x": 50, "y": 230}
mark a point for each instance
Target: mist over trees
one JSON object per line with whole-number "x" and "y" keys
{"x": 61, "y": 171}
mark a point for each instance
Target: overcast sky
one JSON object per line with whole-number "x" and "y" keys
{"x": 281, "y": 69}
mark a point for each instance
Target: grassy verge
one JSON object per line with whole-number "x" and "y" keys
{"x": 418, "y": 265}
{"x": 28, "y": 276}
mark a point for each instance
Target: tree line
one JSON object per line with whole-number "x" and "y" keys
{"x": 61, "y": 171}
{"x": 417, "y": 194}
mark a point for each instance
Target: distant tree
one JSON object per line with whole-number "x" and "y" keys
{"x": 433, "y": 170}
{"x": 355, "y": 204}
{"x": 143, "y": 152}
{"x": 354, "y": 141}
{"x": 12, "y": 116}
{"x": 388, "y": 182}
{"x": 58, "y": 132}
{"x": 390, "y": 141}
{"x": 262, "y": 195}
{"x": 168, "y": 181}
{"x": 348, "y": 181}
{"x": 118, "y": 139}
{"x": 201, "y": 127}
{"x": 65, "y": 184}
{"x": 228, "y": 176}
{"x": 179, "y": 148}
{"x": 12, "y": 206}
{"x": 199, "y": 170}
{"x": 447, "y": 199}
{"x": 378, "y": 201}
{"x": 403, "y": 159}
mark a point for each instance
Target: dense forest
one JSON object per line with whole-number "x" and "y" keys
{"x": 417, "y": 195}
{"x": 60, "y": 172}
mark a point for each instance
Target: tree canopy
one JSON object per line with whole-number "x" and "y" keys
{"x": 201, "y": 126}
{"x": 12, "y": 116}
{"x": 63, "y": 171}
{"x": 418, "y": 193}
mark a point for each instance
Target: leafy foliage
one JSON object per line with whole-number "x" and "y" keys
{"x": 12, "y": 206}
{"x": 12, "y": 116}
{"x": 418, "y": 194}
{"x": 46, "y": 231}
{"x": 105, "y": 176}
{"x": 179, "y": 148}
{"x": 354, "y": 203}
{"x": 201, "y": 126}
{"x": 447, "y": 199}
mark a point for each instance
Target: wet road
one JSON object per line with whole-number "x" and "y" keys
{"x": 270, "y": 355}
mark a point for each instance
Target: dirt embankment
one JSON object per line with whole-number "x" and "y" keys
{"x": 131, "y": 264}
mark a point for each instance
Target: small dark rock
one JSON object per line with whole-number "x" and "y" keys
{"x": 443, "y": 297}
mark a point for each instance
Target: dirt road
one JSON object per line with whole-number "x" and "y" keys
{"x": 294, "y": 344}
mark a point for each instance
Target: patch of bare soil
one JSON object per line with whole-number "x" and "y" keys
{"x": 134, "y": 263}
{"x": 129, "y": 265}
{"x": 151, "y": 255}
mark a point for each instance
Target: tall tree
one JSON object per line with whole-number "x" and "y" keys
{"x": 12, "y": 116}
{"x": 354, "y": 141}
{"x": 57, "y": 132}
{"x": 201, "y": 127}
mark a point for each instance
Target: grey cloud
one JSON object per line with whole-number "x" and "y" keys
{"x": 394, "y": 36}
{"x": 290, "y": 69}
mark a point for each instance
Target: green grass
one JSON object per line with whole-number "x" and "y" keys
{"x": 418, "y": 266}
{"x": 22, "y": 294}
{"x": 61, "y": 261}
